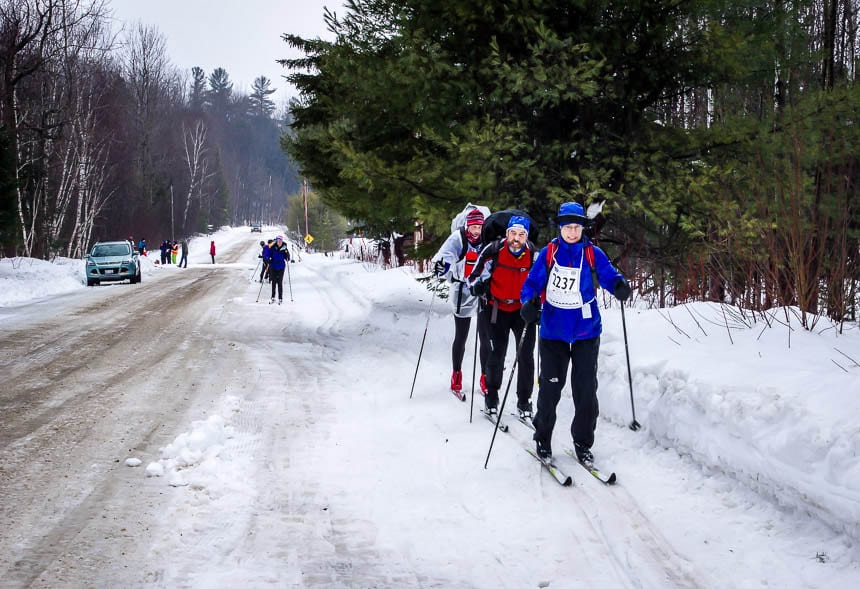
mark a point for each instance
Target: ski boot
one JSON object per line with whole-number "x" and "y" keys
{"x": 491, "y": 403}
{"x": 525, "y": 409}
{"x": 583, "y": 454}
{"x": 543, "y": 449}
{"x": 457, "y": 381}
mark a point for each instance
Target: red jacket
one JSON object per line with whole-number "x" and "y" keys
{"x": 212, "y": 249}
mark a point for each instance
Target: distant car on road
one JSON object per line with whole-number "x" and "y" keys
{"x": 112, "y": 261}
{"x": 256, "y": 228}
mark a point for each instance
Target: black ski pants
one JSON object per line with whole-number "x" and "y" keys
{"x": 461, "y": 333}
{"x": 555, "y": 356}
{"x": 505, "y": 323}
{"x": 277, "y": 277}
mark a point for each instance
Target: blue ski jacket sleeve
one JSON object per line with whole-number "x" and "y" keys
{"x": 569, "y": 325}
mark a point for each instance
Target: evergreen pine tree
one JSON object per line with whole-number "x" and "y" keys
{"x": 260, "y": 103}
{"x": 197, "y": 94}
{"x": 220, "y": 91}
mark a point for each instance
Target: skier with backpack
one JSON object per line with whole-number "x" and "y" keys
{"x": 498, "y": 278}
{"x": 455, "y": 261}
{"x": 560, "y": 292}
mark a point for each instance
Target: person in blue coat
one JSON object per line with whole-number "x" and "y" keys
{"x": 278, "y": 258}
{"x": 565, "y": 276}
{"x": 264, "y": 255}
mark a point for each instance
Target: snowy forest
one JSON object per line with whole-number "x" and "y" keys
{"x": 102, "y": 137}
{"x": 721, "y": 133}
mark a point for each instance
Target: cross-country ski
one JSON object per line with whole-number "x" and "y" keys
{"x": 561, "y": 478}
{"x": 605, "y": 478}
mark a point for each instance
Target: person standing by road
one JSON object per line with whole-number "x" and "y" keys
{"x": 183, "y": 262}
{"x": 455, "y": 261}
{"x": 279, "y": 256}
{"x": 498, "y": 277}
{"x": 569, "y": 270}
{"x": 174, "y": 251}
{"x": 212, "y": 250}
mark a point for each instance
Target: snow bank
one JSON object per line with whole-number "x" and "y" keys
{"x": 767, "y": 405}
{"x": 27, "y": 279}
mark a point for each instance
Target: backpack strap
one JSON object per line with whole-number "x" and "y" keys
{"x": 551, "y": 248}
{"x": 589, "y": 257}
{"x": 463, "y": 241}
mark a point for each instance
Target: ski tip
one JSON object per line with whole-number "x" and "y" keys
{"x": 567, "y": 482}
{"x": 611, "y": 480}
{"x": 504, "y": 428}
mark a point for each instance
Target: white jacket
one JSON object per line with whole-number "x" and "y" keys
{"x": 453, "y": 253}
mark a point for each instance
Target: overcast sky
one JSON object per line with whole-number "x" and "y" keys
{"x": 243, "y": 37}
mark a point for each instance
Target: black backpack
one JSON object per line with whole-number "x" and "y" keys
{"x": 496, "y": 225}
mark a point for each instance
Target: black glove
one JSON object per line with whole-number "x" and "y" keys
{"x": 530, "y": 311}
{"x": 440, "y": 268}
{"x": 478, "y": 289}
{"x": 622, "y": 290}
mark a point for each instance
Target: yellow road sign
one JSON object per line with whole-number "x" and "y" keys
{"x": 309, "y": 238}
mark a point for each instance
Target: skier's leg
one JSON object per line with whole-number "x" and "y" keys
{"x": 458, "y": 349}
{"x": 555, "y": 356}
{"x": 498, "y": 349}
{"x": 583, "y": 379}
{"x": 484, "y": 338}
{"x": 526, "y": 359}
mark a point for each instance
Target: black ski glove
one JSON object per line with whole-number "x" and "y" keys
{"x": 530, "y": 311}
{"x": 622, "y": 290}
{"x": 478, "y": 289}
{"x": 440, "y": 268}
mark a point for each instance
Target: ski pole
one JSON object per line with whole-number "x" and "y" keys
{"x": 507, "y": 389}
{"x": 635, "y": 424}
{"x": 259, "y": 292}
{"x": 254, "y": 273}
{"x": 421, "y": 351}
{"x": 537, "y": 364}
{"x": 289, "y": 281}
{"x": 474, "y": 367}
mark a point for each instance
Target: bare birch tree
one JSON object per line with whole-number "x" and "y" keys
{"x": 194, "y": 142}
{"x": 147, "y": 71}
{"x": 42, "y": 43}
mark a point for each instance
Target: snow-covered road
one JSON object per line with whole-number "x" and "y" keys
{"x": 289, "y": 454}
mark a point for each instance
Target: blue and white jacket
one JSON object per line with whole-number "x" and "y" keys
{"x": 569, "y": 325}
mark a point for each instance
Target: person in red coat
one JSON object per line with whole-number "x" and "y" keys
{"x": 498, "y": 278}
{"x": 212, "y": 251}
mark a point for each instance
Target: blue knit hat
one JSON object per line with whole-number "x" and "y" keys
{"x": 572, "y": 212}
{"x": 518, "y": 222}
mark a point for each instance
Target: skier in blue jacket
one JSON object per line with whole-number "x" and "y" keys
{"x": 565, "y": 273}
{"x": 278, "y": 258}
